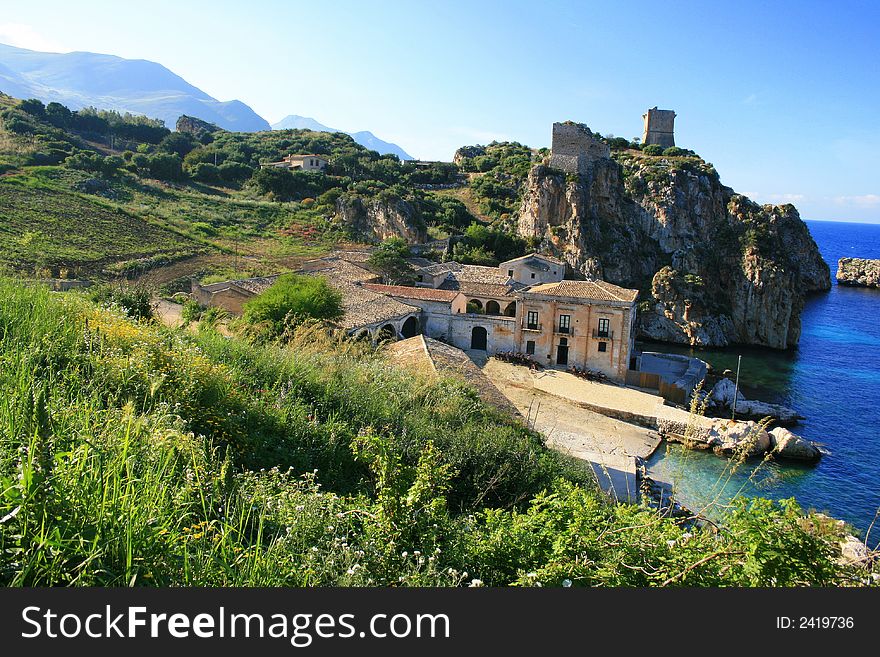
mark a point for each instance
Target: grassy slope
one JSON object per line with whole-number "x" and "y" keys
{"x": 132, "y": 454}
{"x": 45, "y": 225}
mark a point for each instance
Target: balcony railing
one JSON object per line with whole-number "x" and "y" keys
{"x": 603, "y": 335}
{"x": 564, "y": 330}
{"x": 532, "y": 327}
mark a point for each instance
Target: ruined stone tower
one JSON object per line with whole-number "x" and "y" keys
{"x": 575, "y": 148}
{"x": 659, "y": 127}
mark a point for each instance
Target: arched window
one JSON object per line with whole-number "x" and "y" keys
{"x": 510, "y": 309}
{"x": 492, "y": 308}
{"x": 475, "y": 306}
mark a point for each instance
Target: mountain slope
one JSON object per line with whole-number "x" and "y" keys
{"x": 364, "y": 138}
{"x": 80, "y": 79}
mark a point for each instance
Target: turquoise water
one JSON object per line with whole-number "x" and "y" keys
{"x": 832, "y": 378}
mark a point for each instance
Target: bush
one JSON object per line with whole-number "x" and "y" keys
{"x": 290, "y": 301}
{"x": 191, "y": 312}
{"x": 653, "y": 149}
{"x": 674, "y": 151}
{"x": 205, "y": 173}
{"x": 135, "y": 301}
{"x": 618, "y": 143}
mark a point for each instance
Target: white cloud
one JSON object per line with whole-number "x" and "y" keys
{"x": 776, "y": 198}
{"x": 860, "y": 201}
{"x": 25, "y": 36}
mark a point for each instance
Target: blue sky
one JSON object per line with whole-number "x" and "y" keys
{"x": 783, "y": 97}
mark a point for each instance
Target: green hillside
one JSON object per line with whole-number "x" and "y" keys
{"x": 132, "y": 454}
{"x": 46, "y": 227}
{"x": 96, "y": 193}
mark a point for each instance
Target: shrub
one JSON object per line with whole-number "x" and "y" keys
{"x": 135, "y": 301}
{"x": 290, "y": 301}
{"x": 653, "y": 149}
{"x": 674, "y": 151}
{"x": 191, "y": 312}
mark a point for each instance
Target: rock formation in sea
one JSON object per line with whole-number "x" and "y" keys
{"x": 858, "y": 272}
{"x": 713, "y": 267}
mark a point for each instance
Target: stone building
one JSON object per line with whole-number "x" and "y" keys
{"x": 575, "y": 148}
{"x": 299, "y": 162}
{"x": 659, "y": 127}
{"x": 587, "y": 324}
{"x": 523, "y": 305}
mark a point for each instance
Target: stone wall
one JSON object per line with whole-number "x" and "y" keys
{"x": 659, "y": 127}
{"x": 575, "y": 148}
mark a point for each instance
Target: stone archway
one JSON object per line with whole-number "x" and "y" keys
{"x": 475, "y": 306}
{"x": 410, "y": 328}
{"x": 493, "y": 308}
{"x": 510, "y": 309}
{"x": 479, "y": 338}
{"x": 363, "y": 336}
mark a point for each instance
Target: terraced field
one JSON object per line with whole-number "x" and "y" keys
{"x": 46, "y": 228}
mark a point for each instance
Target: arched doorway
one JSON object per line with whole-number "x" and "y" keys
{"x": 492, "y": 308}
{"x": 410, "y": 327}
{"x": 562, "y": 352}
{"x": 387, "y": 332}
{"x": 510, "y": 310}
{"x": 479, "y": 338}
{"x": 474, "y": 306}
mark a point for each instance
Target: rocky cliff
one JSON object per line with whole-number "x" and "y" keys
{"x": 858, "y": 272}
{"x": 380, "y": 219}
{"x": 713, "y": 267}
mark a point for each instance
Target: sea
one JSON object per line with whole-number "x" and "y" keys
{"x": 832, "y": 378}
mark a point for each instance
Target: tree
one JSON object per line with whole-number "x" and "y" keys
{"x": 165, "y": 166}
{"x": 58, "y": 115}
{"x": 180, "y": 143}
{"x": 33, "y": 107}
{"x": 390, "y": 260}
{"x": 653, "y": 149}
{"x": 291, "y": 300}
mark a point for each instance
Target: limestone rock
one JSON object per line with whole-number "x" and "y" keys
{"x": 195, "y": 126}
{"x": 858, "y": 272}
{"x": 723, "y": 392}
{"x": 788, "y": 445}
{"x": 722, "y": 402}
{"x": 378, "y": 219}
{"x": 720, "y": 268}
{"x": 467, "y": 152}
{"x": 748, "y": 438}
{"x": 853, "y": 551}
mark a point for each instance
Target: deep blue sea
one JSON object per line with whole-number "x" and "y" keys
{"x": 832, "y": 378}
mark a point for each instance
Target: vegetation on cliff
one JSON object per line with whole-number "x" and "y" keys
{"x": 132, "y": 454}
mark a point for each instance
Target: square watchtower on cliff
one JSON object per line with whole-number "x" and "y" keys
{"x": 659, "y": 127}
{"x": 575, "y": 147}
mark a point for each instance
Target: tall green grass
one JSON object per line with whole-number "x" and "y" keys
{"x": 131, "y": 454}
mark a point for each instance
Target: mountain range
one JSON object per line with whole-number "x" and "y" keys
{"x": 139, "y": 86}
{"x": 365, "y": 138}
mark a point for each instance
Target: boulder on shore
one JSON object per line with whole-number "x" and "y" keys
{"x": 722, "y": 402}
{"x": 790, "y": 446}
